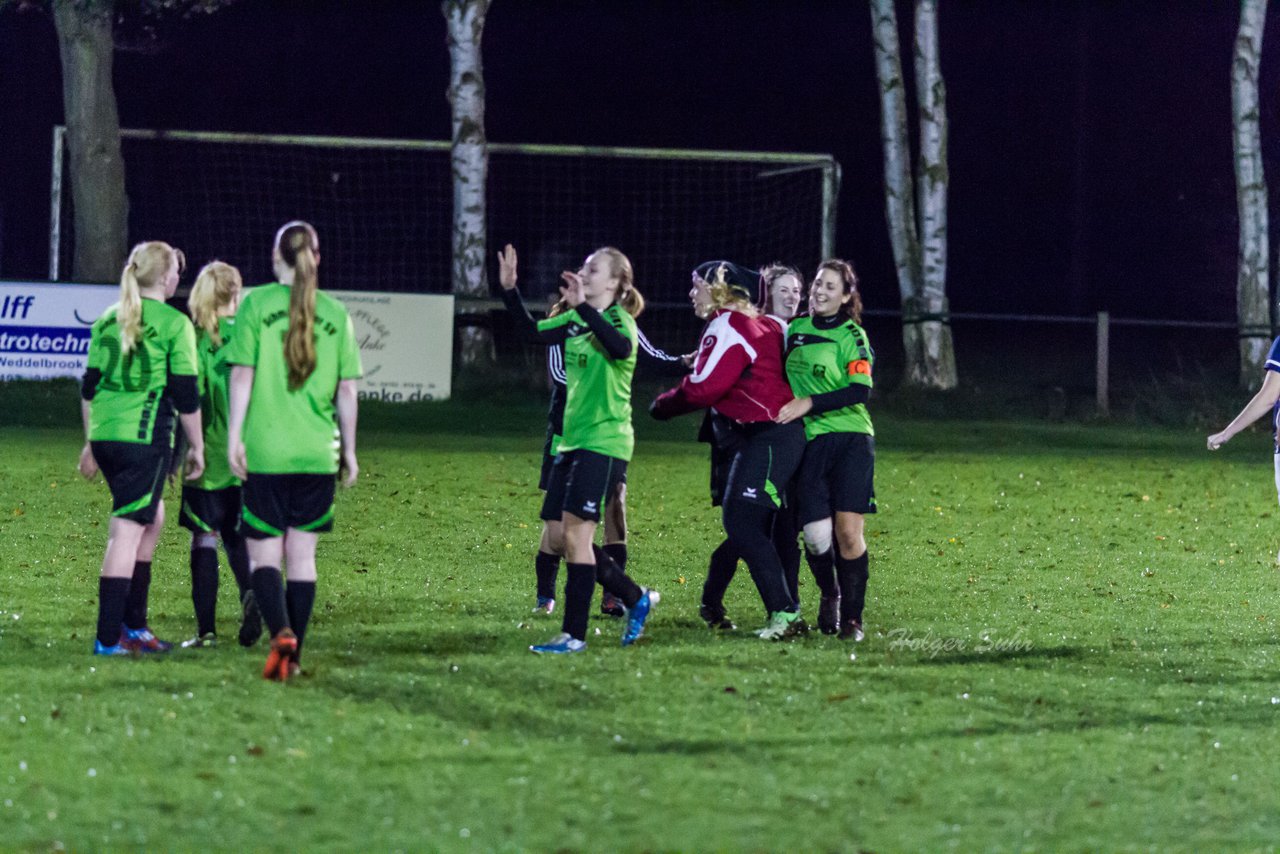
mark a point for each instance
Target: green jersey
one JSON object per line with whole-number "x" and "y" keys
{"x": 214, "y": 407}
{"x": 597, "y": 409}
{"x": 129, "y": 403}
{"x": 828, "y": 355}
{"x": 292, "y": 431}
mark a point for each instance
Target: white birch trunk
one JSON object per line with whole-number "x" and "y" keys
{"x": 1253, "y": 274}
{"x": 936, "y": 367}
{"x": 899, "y": 192}
{"x": 470, "y": 158}
{"x": 98, "y": 195}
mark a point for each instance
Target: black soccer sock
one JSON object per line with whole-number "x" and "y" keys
{"x": 299, "y": 597}
{"x": 853, "y": 574}
{"x": 748, "y": 526}
{"x": 547, "y": 567}
{"x": 614, "y": 580}
{"x": 723, "y": 566}
{"x": 578, "y": 587}
{"x": 237, "y": 559}
{"x": 135, "y": 607}
{"x": 268, "y": 590}
{"x": 204, "y": 588}
{"x": 112, "y": 595}
{"x": 617, "y": 551}
{"x": 823, "y": 568}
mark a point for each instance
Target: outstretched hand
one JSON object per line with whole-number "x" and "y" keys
{"x": 572, "y": 289}
{"x": 507, "y": 267}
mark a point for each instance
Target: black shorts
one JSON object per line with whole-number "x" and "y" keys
{"x": 135, "y": 475}
{"x": 581, "y": 482}
{"x": 837, "y": 475}
{"x": 210, "y": 511}
{"x": 765, "y": 463}
{"x": 273, "y": 503}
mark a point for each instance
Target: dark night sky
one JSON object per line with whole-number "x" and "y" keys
{"x": 1090, "y": 144}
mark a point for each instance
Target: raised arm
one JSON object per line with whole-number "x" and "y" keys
{"x": 617, "y": 345}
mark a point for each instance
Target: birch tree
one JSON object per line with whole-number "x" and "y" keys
{"x": 1253, "y": 270}
{"x": 470, "y": 156}
{"x": 916, "y": 210}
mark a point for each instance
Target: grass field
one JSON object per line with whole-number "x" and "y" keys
{"x": 1072, "y": 647}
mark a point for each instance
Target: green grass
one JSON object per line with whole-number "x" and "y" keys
{"x": 1072, "y": 647}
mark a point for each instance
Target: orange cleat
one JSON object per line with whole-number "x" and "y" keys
{"x": 283, "y": 648}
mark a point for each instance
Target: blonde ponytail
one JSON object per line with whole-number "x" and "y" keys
{"x": 148, "y": 265}
{"x": 217, "y": 285}
{"x": 129, "y": 314}
{"x": 299, "y": 248}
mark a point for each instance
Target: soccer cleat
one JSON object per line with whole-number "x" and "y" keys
{"x": 200, "y": 641}
{"x": 715, "y": 617}
{"x": 611, "y": 606}
{"x": 638, "y": 614}
{"x": 852, "y": 629}
{"x": 784, "y": 625}
{"x": 545, "y": 606}
{"x": 829, "y": 614}
{"x": 284, "y": 646}
{"x": 117, "y": 649}
{"x": 561, "y": 644}
{"x": 142, "y": 640}
{"x": 250, "y": 619}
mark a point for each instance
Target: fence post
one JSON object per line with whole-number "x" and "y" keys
{"x": 1104, "y": 335}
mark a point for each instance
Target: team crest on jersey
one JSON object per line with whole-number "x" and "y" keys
{"x": 819, "y": 371}
{"x": 709, "y": 343}
{"x": 582, "y": 360}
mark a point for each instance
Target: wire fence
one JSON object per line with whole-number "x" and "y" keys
{"x": 1076, "y": 365}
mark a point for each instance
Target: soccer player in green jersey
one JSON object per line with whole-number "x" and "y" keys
{"x": 829, "y": 366}
{"x": 598, "y": 332}
{"x": 141, "y": 367}
{"x": 211, "y": 502}
{"x": 295, "y": 364}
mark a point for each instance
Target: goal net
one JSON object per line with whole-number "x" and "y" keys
{"x": 383, "y": 209}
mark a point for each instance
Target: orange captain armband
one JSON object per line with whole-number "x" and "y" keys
{"x": 861, "y": 366}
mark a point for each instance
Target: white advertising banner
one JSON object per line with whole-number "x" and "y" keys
{"x": 406, "y": 340}
{"x": 406, "y": 344}
{"x": 44, "y": 328}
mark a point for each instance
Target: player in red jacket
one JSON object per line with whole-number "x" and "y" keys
{"x": 738, "y": 373}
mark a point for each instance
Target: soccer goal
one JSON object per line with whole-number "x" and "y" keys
{"x": 383, "y": 207}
